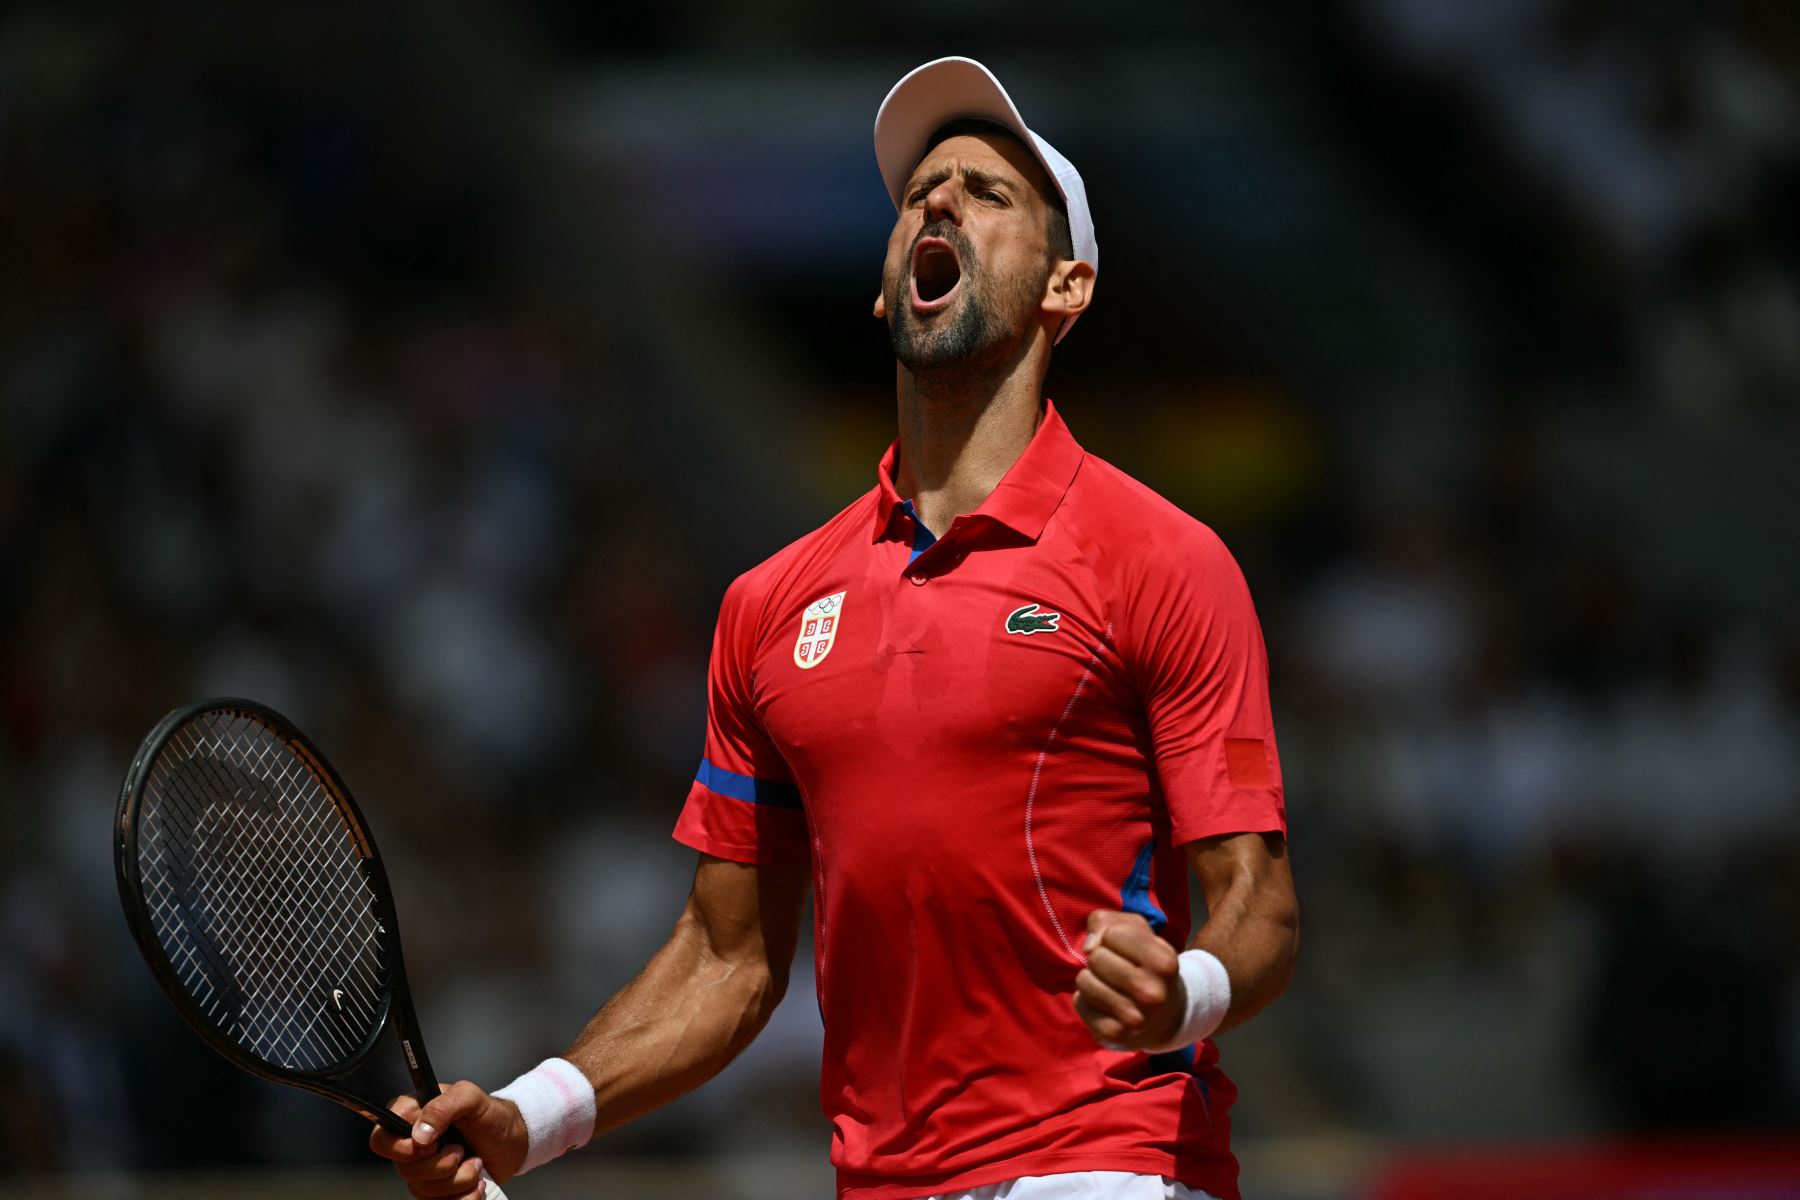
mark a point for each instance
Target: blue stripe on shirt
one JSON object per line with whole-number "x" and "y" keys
{"x": 1134, "y": 897}
{"x": 747, "y": 788}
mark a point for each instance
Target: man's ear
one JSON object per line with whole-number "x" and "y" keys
{"x": 880, "y": 306}
{"x": 1069, "y": 290}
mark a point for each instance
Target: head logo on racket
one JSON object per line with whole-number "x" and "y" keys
{"x": 818, "y": 630}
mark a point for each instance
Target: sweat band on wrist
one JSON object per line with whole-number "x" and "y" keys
{"x": 556, "y": 1102}
{"x": 1208, "y": 999}
{"x": 1208, "y": 990}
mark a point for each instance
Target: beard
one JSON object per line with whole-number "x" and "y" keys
{"x": 981, "y": 323}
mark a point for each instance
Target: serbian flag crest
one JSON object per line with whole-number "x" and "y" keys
{"x": 818, "y": 630}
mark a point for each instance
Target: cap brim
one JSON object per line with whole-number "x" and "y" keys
{"x": 929, "y": 97}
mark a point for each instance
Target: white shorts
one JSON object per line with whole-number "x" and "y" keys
{"x": 1082, "y": 1185}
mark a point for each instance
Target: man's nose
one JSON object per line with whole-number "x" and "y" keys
{"x": 944, "y": 203}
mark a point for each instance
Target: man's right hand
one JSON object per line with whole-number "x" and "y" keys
{"x": 492, "y": 1133}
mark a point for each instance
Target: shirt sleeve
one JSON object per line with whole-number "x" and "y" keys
{"x": 1201, "y": 666}
{"x": 743, "y": 804}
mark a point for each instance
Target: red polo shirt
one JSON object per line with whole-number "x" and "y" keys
{"x": 976, "y": 741}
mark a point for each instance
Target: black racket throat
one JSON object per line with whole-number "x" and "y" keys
{"x": 256, "y": 894}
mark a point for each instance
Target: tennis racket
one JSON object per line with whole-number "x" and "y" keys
{"x": 253, "y": 887}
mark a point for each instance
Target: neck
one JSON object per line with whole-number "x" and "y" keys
{"x": 962, "y": 427}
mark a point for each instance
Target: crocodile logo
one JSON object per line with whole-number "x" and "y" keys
{"x": 1028, "y": 620}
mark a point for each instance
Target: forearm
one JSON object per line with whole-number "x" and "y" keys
{"x": 687, "y": 1014}
{"x": 1255, "y": 933}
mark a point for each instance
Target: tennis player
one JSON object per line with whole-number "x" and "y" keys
{"x": 990, "y": 716}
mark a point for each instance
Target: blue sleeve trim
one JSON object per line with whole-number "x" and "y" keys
{"x": 1134, "y": 897}
{"x": 746, "y": 788}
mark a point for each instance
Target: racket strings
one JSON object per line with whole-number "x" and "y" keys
{"x": 271, "y": 858}
{"x": 292, "y": 869}
{"x": 258, "y": 894}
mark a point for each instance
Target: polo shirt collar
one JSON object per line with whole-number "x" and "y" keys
{"x": 1027, "y": 494}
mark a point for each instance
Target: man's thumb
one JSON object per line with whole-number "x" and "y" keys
{"x": 456, "y": 1102}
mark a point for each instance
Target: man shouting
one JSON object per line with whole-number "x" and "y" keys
{"x": 990, "y": 715}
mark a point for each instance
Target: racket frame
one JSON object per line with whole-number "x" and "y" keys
{"x": 396, "y": 1004}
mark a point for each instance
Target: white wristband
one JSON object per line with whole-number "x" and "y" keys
{"x": 1208, "y": 998}
{"x": 556, "y": 1102}
{"x": 1208, "y": 990}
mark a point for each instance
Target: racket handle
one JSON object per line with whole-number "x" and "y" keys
{"x": 494, "y": 1191}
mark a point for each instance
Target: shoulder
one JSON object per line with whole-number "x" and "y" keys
{"x": 768, "y": 583}
{"x": 1179, "y": 595}
{"x": 1137, "y": 537}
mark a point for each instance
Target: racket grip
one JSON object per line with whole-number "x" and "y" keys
{"x": 494, "y": 1191}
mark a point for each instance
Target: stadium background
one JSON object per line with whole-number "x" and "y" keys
{"x": 420, "y": 367}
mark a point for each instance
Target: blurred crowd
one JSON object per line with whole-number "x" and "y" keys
{"x": 340, "y": 375}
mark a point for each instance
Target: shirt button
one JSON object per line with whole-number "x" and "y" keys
{"x": 921, "y": 580}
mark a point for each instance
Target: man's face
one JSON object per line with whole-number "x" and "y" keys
{"x": 969, "y": 256}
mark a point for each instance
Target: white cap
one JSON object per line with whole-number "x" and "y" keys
{"x": 943, "y": 90}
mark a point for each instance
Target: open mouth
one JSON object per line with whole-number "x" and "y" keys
{"x": 935, "y": 275}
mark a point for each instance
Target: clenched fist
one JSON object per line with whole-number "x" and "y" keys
{"x": 1130, "y": 994}
{"x": 493, "y": 1136}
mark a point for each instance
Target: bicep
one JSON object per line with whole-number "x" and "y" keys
{"x": 749, "y": 915}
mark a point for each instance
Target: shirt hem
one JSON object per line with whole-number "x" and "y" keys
{"x": 1184, "y": 832}
{"x": 754, "y": 856}
{"x": 1215, "y": 1176}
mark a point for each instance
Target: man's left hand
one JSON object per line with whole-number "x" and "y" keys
{"x": 1130, "y": 994}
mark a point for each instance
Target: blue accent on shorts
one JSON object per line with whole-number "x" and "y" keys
{"x": 747, "y": 788}
{"x": 1181, "y": 1060}
{"x": 1134, "y": 897}
{"x": 922, "y": 537}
